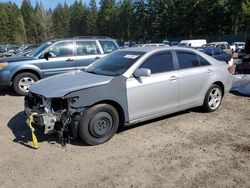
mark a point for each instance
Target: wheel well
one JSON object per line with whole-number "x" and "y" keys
{"x": 221, "y": 86}
{"x": 26, "y": 70}
{"x": 118, "y": 107}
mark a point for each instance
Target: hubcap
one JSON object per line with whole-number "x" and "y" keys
{"x": 25, "y": 83}
{"x": 101, "y": 124}
{"x": 214, "y": 98}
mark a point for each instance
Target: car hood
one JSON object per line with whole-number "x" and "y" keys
{"x": 15, "y": 59}
{"x": 62, "y": 84}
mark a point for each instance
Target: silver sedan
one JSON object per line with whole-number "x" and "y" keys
{"x": 126, "y": 87}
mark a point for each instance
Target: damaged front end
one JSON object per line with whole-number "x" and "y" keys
{"x": 54, "y": 115}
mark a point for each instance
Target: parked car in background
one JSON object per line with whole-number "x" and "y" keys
{"x": 243, "y": 67}
{"x": 236, "y": 46}
{"x": 192, "y": 43}
{"x": 150, "y": 45}
{"x": 218, "y": 54}
{"x": 53, "y": 57}
{"x": 174, "y": 43}
{"x": 129, "y": 44}
{"x": 24, "y": 53}
{"x": 222, "y": 45}
{"x": 241, "y": 53}
{"x": 8, "y": 50}
{"x": 126, "y": 87}
{"x": 27, "y": 47}
{"x": 166, "y": 42}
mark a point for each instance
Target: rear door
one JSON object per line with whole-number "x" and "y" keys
{"x": 61, "y": 61}
{"x": 195, "y": 73}
{"x": 87, "y": 51}
{"x": 218, "y": 54}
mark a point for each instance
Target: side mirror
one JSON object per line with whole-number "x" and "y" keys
{"x": 47, "y": 55}
{"x": 142, "y": 73}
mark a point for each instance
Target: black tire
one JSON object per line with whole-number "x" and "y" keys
{"x": 17, "y": 87}
{"x": 210, "y": 108}
{"x": 98, "y": 124}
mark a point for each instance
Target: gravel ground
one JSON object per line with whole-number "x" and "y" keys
{"x": 187, "y": 149}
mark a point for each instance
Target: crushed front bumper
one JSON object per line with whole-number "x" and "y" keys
{"x": 41, "y": 118}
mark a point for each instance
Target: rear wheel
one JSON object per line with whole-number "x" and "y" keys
{"x": 213, "y": 98}
{"x": 98, "y": 124}
{"x": 23, "y": 81}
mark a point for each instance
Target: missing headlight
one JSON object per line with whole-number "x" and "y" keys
{"x": 58, "y": 104}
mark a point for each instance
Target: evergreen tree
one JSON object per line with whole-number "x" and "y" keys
{"x": 43, "y": 22}
{"x": 78, "y": 23}
{"x": 29, "y": 22}
{"x": 125, "y": 17}
{"x": 108, "y": 18}
{"x": 140, "y": 20}
{"x": 60, "y": 21}
{"x": 92, "y": 18}
{"x": 10, "y": 25}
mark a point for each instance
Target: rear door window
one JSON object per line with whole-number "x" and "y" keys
{"x": 208, "y": 52}
{"x": 108, "y": 46}
{"x": 187, "y": 60}
{"x": 86, "y": 48}
{"x": 217, "y": 51}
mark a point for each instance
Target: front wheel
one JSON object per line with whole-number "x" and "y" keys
{"x": 23, "y": 81}
{"x": 98, "y": 124}
{"x": 213, "y": 98}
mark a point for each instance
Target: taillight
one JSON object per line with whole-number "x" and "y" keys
{"x": 230, "y": 69}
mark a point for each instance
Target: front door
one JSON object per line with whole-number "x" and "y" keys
{"x": 62, "y": 59}
{"x": 157, "y": 94}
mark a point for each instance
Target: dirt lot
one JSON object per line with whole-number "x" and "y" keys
{"x": 188, "y": 149}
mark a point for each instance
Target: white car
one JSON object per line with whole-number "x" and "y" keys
{"x": 235, "y": 46}
{"x": 127, "y": 87}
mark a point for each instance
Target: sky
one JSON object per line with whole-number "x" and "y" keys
{"x": 48, "y": 3}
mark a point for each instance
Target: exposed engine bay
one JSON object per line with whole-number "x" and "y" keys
{"x": 54, "y": 115}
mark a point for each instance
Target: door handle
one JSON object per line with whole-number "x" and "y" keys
{"x": 173, "y": 78}
{"x": 97, "y": 57}
{"x": 68, "y": 60}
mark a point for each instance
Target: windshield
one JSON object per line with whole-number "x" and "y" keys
{"x": 40, "y": 49}
{"x": 115, "y": 64}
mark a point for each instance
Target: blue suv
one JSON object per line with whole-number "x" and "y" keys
{"x": 51, "y": 58}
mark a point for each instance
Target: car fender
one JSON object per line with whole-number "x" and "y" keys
{"x": 26, "y": 68}
{"x": 114, "y": 91}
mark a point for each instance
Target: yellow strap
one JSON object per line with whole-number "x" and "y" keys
{"x": 29, "y": 123}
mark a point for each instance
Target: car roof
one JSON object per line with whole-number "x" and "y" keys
{"x": 221, "y": 42}
{"x": 80, "y": 38}
{"x": 156, "y": 48}
{"x": 207, "y": 47}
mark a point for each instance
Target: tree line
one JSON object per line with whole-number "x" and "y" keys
{"x": 123, "y": 20}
